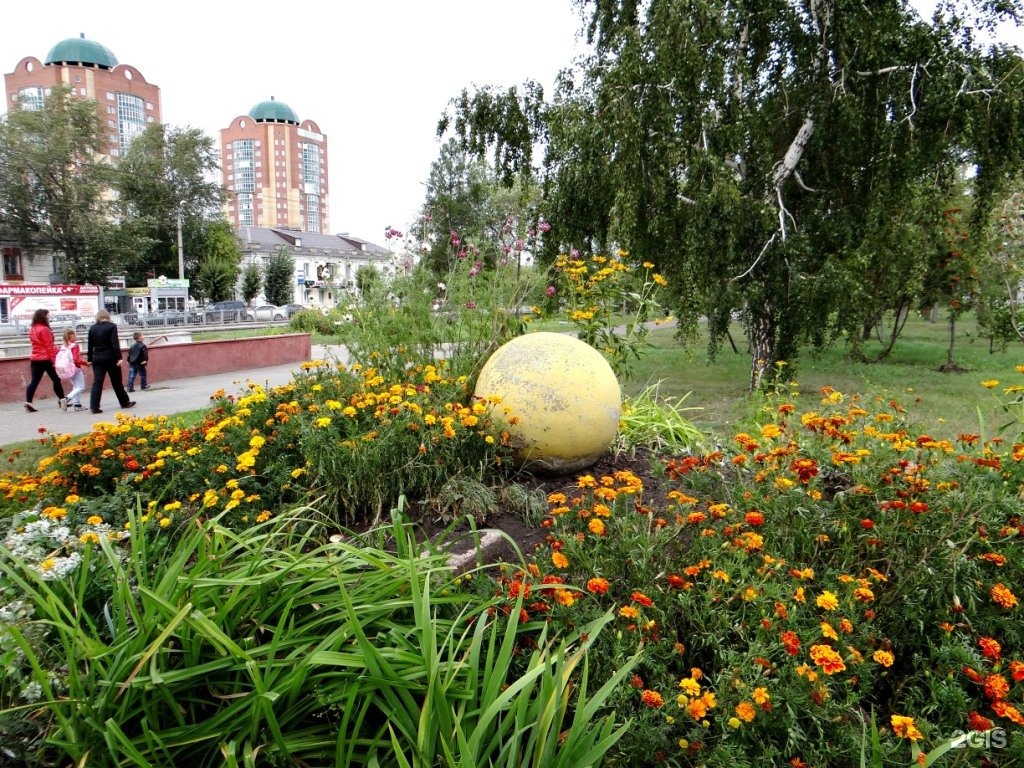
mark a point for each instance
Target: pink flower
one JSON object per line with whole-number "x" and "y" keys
{"x": 550, "y": 291}
{"x": 470, "y": 305}
{"x": 545, "y": 227}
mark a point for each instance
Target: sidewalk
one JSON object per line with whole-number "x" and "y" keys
{"x": 163, "y": 397}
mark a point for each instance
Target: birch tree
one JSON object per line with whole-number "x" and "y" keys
{"x": 778, "y": 159}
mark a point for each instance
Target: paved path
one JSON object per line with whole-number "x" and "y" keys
{"x": 163, "y": 397}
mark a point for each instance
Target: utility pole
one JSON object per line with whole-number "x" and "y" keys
{"x": 181, "y": 250}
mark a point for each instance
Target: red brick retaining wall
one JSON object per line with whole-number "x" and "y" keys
{"x": 179, "y": 361}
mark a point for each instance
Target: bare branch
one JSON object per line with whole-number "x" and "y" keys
{"x": 758, "y": 259}
{"x": 800, "y": 181}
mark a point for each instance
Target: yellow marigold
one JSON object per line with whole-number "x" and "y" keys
{"x": 323, "y": 421}
{"x": 628, "y": 612}
{"x": 94, "y": 520}
{"x": 883, "y": 657}
{"x": 295, "y": 473}
{"x": 690, "y": 686}
{"x": 89, "y": 538}
{"x": 761, "y": 696}
{"x": 990, "y": 383}
{"x": 164, "y": 522}
{"x": 559, "y": 560}
{"x": 596, "y": 526}
{"x": 771, "y": 431}
{"x": 72, "y": 498}
{"x": 827, "y": 601}
{"x": 828, "y": 631}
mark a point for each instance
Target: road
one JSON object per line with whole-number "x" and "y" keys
{"x": 163, "y": 397}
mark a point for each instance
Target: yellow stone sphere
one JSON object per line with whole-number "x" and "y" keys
{"x": 565, "y": 395}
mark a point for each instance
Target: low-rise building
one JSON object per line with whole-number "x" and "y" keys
{"x": 325, "y": 265}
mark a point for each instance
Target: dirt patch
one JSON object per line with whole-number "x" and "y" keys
{"x": 527, "y": 535}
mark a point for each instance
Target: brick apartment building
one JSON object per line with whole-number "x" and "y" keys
{"x": 276, "y": 169}
{"x": 127, "y": 103}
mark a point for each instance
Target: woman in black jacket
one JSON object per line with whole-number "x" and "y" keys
{"x": 104, "y": 352}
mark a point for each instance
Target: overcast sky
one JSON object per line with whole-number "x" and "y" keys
{"x": 374, "y": 75}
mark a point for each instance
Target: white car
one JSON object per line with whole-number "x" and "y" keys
{"x": 266, "y": 312}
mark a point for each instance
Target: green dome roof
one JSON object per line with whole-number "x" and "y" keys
{"x": 273, "y": 112}
{"x": 81, "y": 51}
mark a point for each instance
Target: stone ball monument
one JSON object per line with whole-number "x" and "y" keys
{"x": 564, "y": 394}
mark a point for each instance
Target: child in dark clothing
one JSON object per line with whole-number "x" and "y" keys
{"x": 138, "y": 357}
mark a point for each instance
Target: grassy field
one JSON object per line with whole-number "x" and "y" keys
{"x": 942, "y": 404}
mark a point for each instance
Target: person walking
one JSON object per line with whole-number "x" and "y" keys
{"x": 76, "y": 370}
{"x": 138, "y": 359}
{"x": 43, "y": 353}
{"x": 104, "y": 352}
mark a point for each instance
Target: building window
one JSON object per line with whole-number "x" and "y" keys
{"x": 12, "y": 264}
{"x": 31, "y": 98}
{"x": 131, "y": 118}
{"x": 245, "y": 212}
{"x": 313, "y": 214}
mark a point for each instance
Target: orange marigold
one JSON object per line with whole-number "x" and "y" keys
{"x": 904, "y": 727}
{"x": 652, "y": 699}
{"x": 990, "y": 648}
{"x": 825, "y": 656}
{"x": 978, "y": 722}
{"x": 597, "y": 585}
{"x": 1001, "y": 595}
{"x": 559, "y": 560}
{"x": 641, "y": 599}
{"x": 996, "y": 687}
{"x": 1008, "y": 711}
{"x": 791, "y": 642}
{"x": 1017, "y": 670}
{"x": 745, "y": 711}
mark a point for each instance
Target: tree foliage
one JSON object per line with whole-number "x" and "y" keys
{"x": 279, "y": 277}
{"x": 252, "y": 281}
{"x": 166, "y": 171}
{"x": 53, "y": 187}
{"x": 785, "y": 160}
{"x": 219, "y": 257}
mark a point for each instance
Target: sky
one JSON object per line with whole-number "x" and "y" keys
{"x": 375, "y": 76}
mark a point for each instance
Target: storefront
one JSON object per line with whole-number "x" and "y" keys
{"x": 19, "y": 301}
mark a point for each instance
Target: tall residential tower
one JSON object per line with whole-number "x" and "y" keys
{"x": 127, "y": 103}
{"x": 276, "y": 170}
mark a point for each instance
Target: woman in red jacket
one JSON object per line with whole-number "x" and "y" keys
{"x": 44, "y": 352}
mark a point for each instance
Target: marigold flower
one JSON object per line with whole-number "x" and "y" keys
{"x": 1002, "y": 596}
{"x": 990, "y": 648}
{"x": 827, "y": 601}
{"x": 597, "y": 585}
{"x": 754, "y": 518}
{"x": 977, "y": 722}
{"x": 884, "y": 658}
{"x": 825, "y": 656}
{"x": 904, "y": 727}
{"x": 996, "y": 687}
{"x": 596, "y": 526}
{"x": 791, "y": 642}
{"x": 990, "y": 383}
{"x": 761, "y": 696}
{"x": 745, "y": 711}
{"x": 628, "y": 612}
{"x": 652, "y": 699}
{"x": 641, "y": 599}
{"x": 1017, "y": 670}
{"x": 559, "y": 560}
{"x": 565, "y": 597}
{"x": 1006, "y": 710}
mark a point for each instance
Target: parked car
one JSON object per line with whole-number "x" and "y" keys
{"x": 266, "y": 312}
{"x": 224, "y": 312}
{"x": 164, "y": 317}
{"x": 292, "y": 309}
